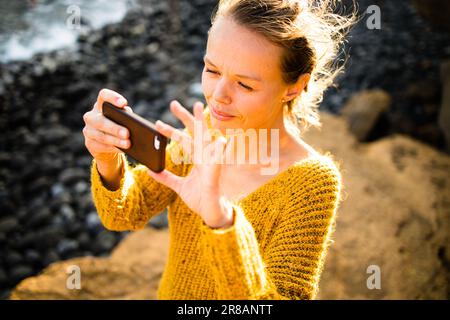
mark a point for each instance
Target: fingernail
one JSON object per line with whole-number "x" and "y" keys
{"x": 123, "y": 133}
{"x": 121, "y": 101}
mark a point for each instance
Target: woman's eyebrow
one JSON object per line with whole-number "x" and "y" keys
{"x": 206, "y": 60}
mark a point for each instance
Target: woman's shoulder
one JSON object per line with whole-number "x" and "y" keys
{"x": 316, "y": 171}
{"x": 312, "y": 181}
{"x": 319, "y": 164}
{"x": 310, "y": 163}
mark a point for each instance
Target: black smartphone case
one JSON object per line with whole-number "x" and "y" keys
{"x": 148, "y": 146}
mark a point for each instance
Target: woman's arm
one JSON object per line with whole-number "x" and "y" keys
{"x": 129, "y": 203}
{"x": 111, "y": 172}
{"x": 295, "y": 254}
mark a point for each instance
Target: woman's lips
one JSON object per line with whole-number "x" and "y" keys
{"x": 220, "y": 115}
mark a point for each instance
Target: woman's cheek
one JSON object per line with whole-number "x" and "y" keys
{"x": 243, "y": 106}
{"x": 207, "y": 86}
{"x": 258, "y": 106}
{"x": 251, "y": 102}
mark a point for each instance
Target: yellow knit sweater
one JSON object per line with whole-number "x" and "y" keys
{"x": 275, "y": 248}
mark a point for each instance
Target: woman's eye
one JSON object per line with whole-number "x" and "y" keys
{"x": 246, "y": 87}
{"x": 211, "y": 71}
{"x": 240, "y": 83}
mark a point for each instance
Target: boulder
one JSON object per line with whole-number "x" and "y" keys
{"x": 363, "y": 109}
{"x": 131, "y": 272}
{"x": 395, "y": 215}
{"x": 444, "y": 113}
{"x": 435, "y": 11}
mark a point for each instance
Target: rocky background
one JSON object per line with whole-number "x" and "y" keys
{"x": 387, "y": 122}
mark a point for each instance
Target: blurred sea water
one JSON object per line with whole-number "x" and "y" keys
{"x": 31, "y": 26}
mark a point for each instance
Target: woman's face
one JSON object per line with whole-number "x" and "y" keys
{"x": 242, "y": 78}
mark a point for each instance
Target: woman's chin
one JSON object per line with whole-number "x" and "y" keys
{"x": 219, "y": 125}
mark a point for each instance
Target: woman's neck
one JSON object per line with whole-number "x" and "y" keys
{"x": 255, "y": 148}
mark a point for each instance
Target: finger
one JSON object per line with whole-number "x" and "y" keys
{"x": 199, "y": 116}
{"x": 110, "y": 96}
{"x": 183, "y": 114}
{"x": 167, "y": 178}
{"x": 101, "y": 147}
{"x": 105, "y": 138}
{"x": 100, "y": 122}
{"x": 218, "y": 156}
{"x": 219, "y": 150}
{"x": 181, "y": 137}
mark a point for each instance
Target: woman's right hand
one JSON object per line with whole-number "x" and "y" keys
{"x": 103, "y": 136}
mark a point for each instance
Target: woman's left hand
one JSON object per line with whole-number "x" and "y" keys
{"x": 200, "y": 190}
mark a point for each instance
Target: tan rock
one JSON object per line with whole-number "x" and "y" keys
{"x": 132, "y": 272}
{"x": 363, "y": 110}
{"x": 395, "y": 215}
{"x": 444, "y": 112}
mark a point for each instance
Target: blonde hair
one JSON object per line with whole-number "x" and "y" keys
{"x": 310, "y": 34}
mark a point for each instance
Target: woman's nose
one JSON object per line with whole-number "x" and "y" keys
{"x": 221, "y": 94}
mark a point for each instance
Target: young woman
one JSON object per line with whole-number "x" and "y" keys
{"x": 236, "y": 233}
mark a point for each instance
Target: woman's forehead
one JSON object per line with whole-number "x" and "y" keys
{"x": 242, "y": 50}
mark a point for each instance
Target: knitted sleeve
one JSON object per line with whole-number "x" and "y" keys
{"x": 294, "y": 256}
{"x": 138, "y": 198}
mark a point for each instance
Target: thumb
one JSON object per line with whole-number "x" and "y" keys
{"x": 166, "y": 178}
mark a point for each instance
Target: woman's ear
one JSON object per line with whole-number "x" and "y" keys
{"x": 304, "y": 79}
{"x": 297, "y": 88}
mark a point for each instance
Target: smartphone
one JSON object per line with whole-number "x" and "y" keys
{"x": 148, "y": 146}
